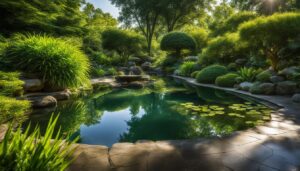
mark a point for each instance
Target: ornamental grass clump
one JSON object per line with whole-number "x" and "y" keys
{"x": 10, "y": 84}
{"x": 12, "y": 109}
{"x": 56, "y": 62}
{"x": 24, "y": 151}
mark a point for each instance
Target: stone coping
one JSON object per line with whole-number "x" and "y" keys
{"x": 273, "y": 146}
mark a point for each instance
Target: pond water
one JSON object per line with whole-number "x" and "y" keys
{"x": 168, "y": 111}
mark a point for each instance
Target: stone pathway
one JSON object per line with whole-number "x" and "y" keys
{"x": 272, "y": 147}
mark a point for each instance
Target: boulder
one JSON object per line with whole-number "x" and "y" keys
{"x": 286, "y": 88}
{"x": 241, "y": 61}
{"x": 289, "y": 72}
{"x": 296, "y": 98}
{"x": 131, "y": 64}
{"x": 276, "y": 79}
{"x": 42, "y": 101}
{"x": 135, "y": 70}
{"x": 33, "y": 85}
{"x": 245, "y": 86}
{"x": 263, "y": 88}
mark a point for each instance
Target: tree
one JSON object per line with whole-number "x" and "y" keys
{"x": 143, "y": 14}
{"x": 124, "y": 42}
{"x": 177, "y": 13}
{"x": 220, "y": 13}
{"x": 271, "y": 33}
{"x": 176, "y": 42}
{"x": 266, "y": 7}
{"x": 232, "y": 23}
{"x": 223, "y": 49}
{"x": 55, "y": 17}
{"x": 199, "y": 34}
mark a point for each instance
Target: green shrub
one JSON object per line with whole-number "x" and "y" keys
{"x": 56, "y": 62}
{"x": 176, "y": 42}
{"x": 23, "y": 151}
{"x": 194, "y": 74}
{"x": 187, "y": 68}
{"x": 98, "y": 72}
{"x": 225, "y": 49}
{"x": 11, "y": 108}
{"x": 10, "y": 85}
{"x": 264, "y": 76}
{"x": 228, "y": 80}
{"x": 112, "y": 71}
{"x": 210, "y": 73}
{"x": 248, "y": 74}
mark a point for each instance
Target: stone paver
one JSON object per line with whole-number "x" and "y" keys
{"x": 274, "y": 146}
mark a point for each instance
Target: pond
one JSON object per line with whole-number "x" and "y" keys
{"x": 168, "y": 110}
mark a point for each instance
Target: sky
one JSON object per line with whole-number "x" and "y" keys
{"x": 106, "y": 6}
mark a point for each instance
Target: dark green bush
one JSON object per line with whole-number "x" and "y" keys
{"x": 124, "y": 42}
{"x": 210, "y": 73}
{"x": 10, "y": 85}
{"x": 56, "y": 62}
{"x": 187, "y": 68}
{"x": 228, "y": 80}
{"x": 200, "y": 35}
{"x": 264, "y": 76}
{"x": 177, "y": 41}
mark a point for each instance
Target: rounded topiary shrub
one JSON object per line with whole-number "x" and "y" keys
{"x": 177, "y": 41}
{"x": 210, "y": 73}
{"x": 228, "y": 80}
{"x": 264, "y": 76}
{"x": 58, "y": 63}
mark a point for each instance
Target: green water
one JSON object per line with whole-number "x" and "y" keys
{"x": 165, "y": 112}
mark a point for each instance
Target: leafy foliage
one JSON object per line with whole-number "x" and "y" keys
{"x": 248, "y": 74}
{"x": 24, "y": 151}
{"x": 228, "y": 80}
{"x": 272, "y": 33}
{"x": 210, "y": 73}
{"x": 58, "y": 63}
{"x": 125, "y": 43}
{"x": 187, "y": 68}
{"x": 232, "y": 23}
{"x": 200, "y": 35}
{"x": 225, "y": 49}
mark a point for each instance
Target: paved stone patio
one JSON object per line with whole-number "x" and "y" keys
{"x": 272, "y": 147}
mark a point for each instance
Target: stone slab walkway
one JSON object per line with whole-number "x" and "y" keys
{"x": 274, "y": 146}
